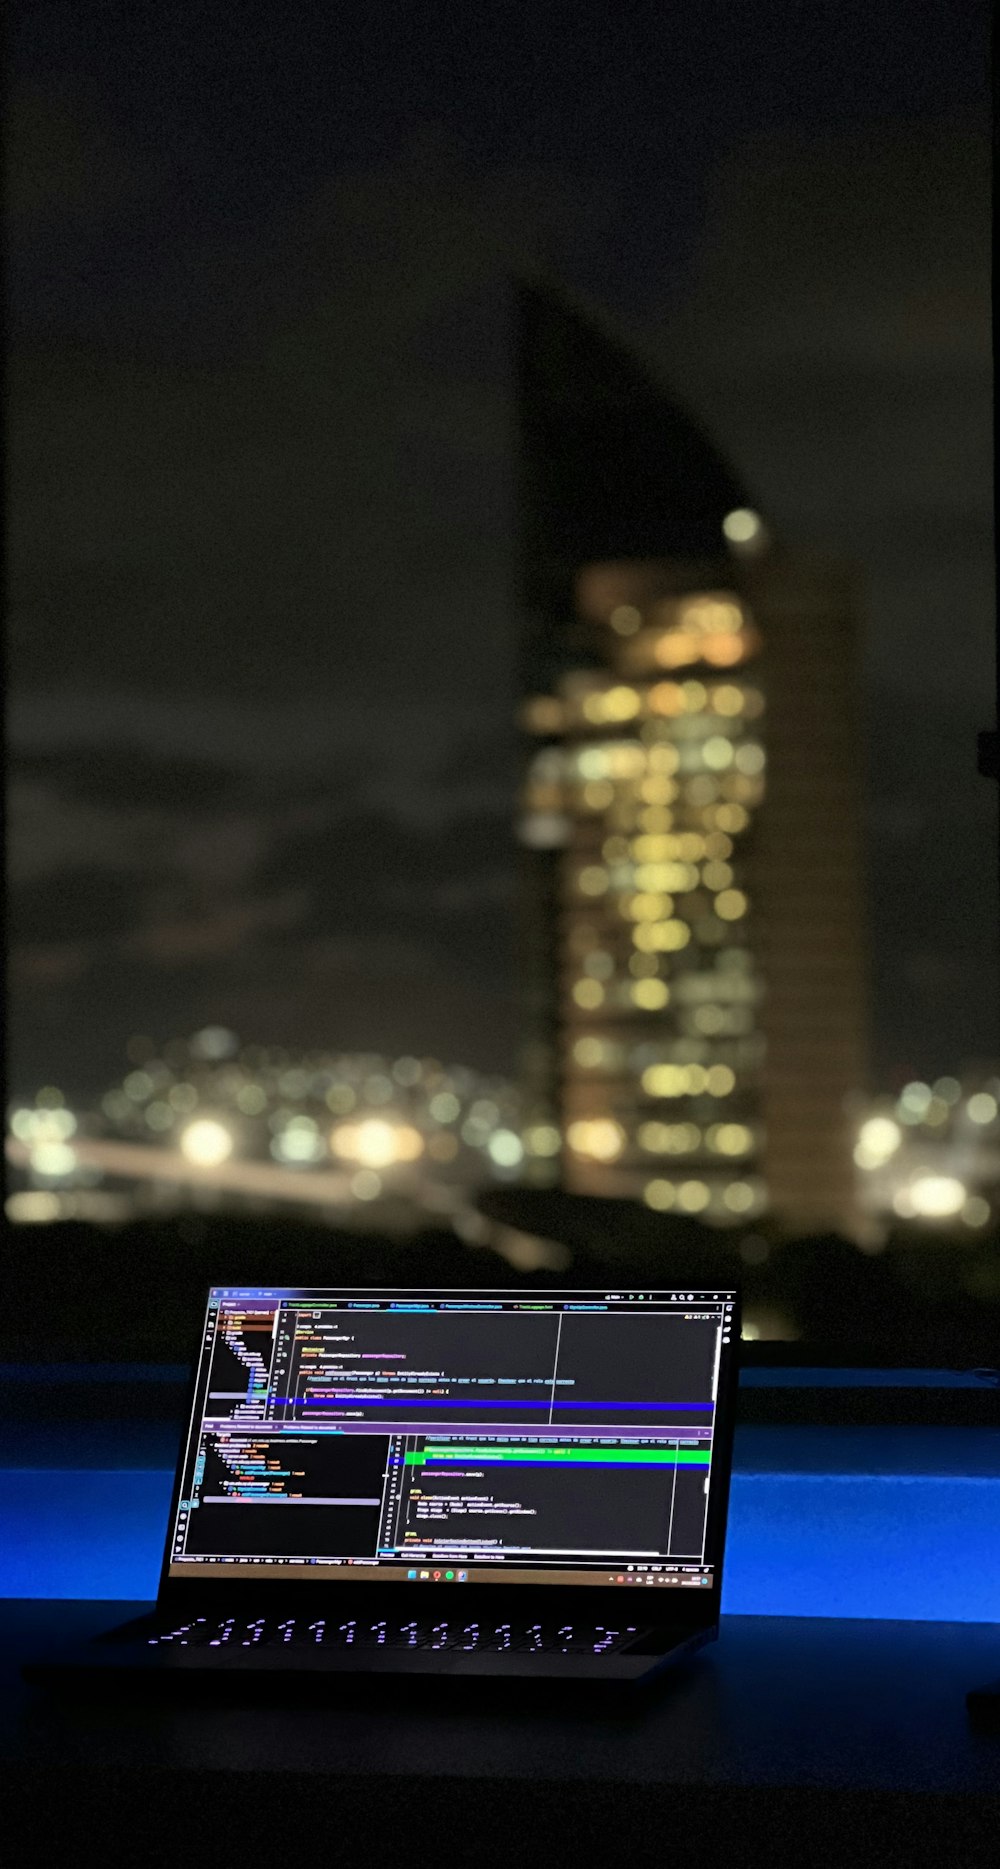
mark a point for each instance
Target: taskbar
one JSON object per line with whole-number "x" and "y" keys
{"x": 289, "y": 1570}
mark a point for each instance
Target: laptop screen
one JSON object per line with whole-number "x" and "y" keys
{"x": 457, "y": 1436}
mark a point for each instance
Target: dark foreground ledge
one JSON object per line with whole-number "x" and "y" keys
{"x": 791, "y": 1741}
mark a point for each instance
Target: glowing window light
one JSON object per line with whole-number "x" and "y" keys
{"x": 713, "y": 1019}
{"x": 625, "y": 619}
{"x": 542, "y": 1139}
{"x": 878, "y": 1139}
{"x": 598, "y": 794}
{"x": 658, "y": 790}
{"x": 701, "y": 791}
{"x": 32, "y": 1206}
{"x": 708, "y": 612}
{"x": 138, "y": 1086}
{"x": 738, "y": 1197}
{"x": 593, "y": 880}
{"x": 717, "y": 876}
{"x": 676, "y": 647}
{"x": 669, "y": 1138}
{"x": 717, "y": 752}
{"x": 659, "y": 1195}
{"x": 655, "y": 818}
{"x": 160, "y": 1116}
{"x": 591, "y": 763}
{"x": 377, "y": 1143}
{"x": 505, "y": 1148}
{"x": 723, "y": 651}
{"x": 406, "y": 1071}
{"x": 214, "y": 1042}
{"x": 750, "y": 759}
{"x": 666, "y": 698}
{"x": 673, "y": 876}
{"x": 665, "y": 1080}
{"x": 621, "y": 704}
{"x": 730, "y": 904}
{"x": 727, "y": 700}
{"x": 732, "y": 1139}
{"x": 52, "y": 1124}
{"x": 589, "y": 1052}
{"x": 720, "y": 1080}
{"x": 976, "y": 1211}
{"x": 654, "y": 849}
{"x": 366, "y": 1185}
{"x": 661, "y": 937}
{"x": 647, "y": 907}
{"x": 588, "y": 993}
{"x": 742, "y": 526}
{"x": 600, "y": 1138}
{"x": 914, "y": 1098}
{"x": 695, "y": 696}
{"x": 649, "y": 994}
{"x": 54, "y": 1160}
{"x": 251, "y": 1100}
{"x": 298, "y": 1142}
{"x": 663, "y": 758}
{"x": 625, "y": 760}
{"x": 731, "y": 818}
{"x": 206, "y": 1143}
{"x": 444, "y": 1106}
{"x": 937, "y": 1197}
{"x": 693, "y": 1196}
{"x": 982, "y": 1108}
{"x": 948, "y": 1088}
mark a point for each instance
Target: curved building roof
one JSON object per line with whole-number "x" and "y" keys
{"x": 611, "y": 466}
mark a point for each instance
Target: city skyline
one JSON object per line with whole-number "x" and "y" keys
{"x": 261, "y": 600}
{"x": 209, "y": 1125}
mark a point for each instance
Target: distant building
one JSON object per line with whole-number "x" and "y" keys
{"x": 931, "y": 1155}
{"x": 210, "y": 1123}
{"x": 692, "y": 924}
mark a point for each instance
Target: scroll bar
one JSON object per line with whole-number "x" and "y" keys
{"x": 715, "y": 1372}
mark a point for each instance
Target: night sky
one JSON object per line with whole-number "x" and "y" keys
{"x": 261, "y": 589}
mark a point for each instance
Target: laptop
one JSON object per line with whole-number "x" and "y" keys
{"x": 463, "y": 1483}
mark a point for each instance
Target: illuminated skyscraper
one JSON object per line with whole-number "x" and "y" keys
{"x": 692, "y": 917}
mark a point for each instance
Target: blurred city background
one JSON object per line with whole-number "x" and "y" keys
{"x": 500, "y": 611}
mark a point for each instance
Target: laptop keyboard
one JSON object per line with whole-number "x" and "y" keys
{"x": 420, "y": 1632}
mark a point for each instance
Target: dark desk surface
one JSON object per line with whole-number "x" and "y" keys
{"x": 861, "y": 1718}
{"x": 775, "y": 1701}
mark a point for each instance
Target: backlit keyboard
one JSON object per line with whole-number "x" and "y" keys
{"x": 420, "y": 1632}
